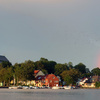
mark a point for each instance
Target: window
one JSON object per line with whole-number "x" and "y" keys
{"x": 39, "y": 77}
{"x": 50, "y": 81}
{"x": 53, "y": 77}
{"x": 56, "y": 81}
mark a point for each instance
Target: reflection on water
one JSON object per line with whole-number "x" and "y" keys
{"x": 49, "y": 94}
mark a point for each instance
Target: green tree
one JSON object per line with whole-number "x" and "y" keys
{"x": 70, "y": 65}
{"x": 44, "y": 71}
{"x": 18, "y": 72}
{"x": 50, "y": 66}
{"x": 70, "y": 76}
{"x": 5, "y": 64}
{"x": 43, "y": 59}
{"x": 2, "y": 75}
{"x": 59, "y": 68}
{"x": 46, "y": 65}
{"x": 97, "y": 84}
{"x": 39, "y": 65}
{"x": 28, "y": 70}
{"x": 6, "y": 75}
{"x": 95, "y": 71}
{"x": 68, "y": 79}
{"x": 24, "y": 71}
{"x": 81, "y": 67}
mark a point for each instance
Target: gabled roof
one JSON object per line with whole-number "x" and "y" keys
{"x": 36, "y": 71}
{"x": 3, "y": 58}
{"x": 50, "y": 75}
{"x": 84, "y": 79}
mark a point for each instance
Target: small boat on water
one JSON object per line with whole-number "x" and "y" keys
{"x": 25, "y": 87}
{"x": 13, "y": 87}
{"x": 55, "y": 87}
{"x": 67, "y": 87}
{"x": 16, "y": 87}
{"x": 19, "y": 87}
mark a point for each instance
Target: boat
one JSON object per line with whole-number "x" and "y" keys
{"x": 67, "y": 87}
{"x": 13, "y": 87}
{"x": 55, "y": 87}
{"x": 19, "y": 87}
{"x": 25, "y": 87}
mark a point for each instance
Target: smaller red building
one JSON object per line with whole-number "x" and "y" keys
{"x": 51, "y": 80}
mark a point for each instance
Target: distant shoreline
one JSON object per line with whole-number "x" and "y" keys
{"x": 4, "y": 87}
{"x": 89, "y": 88}
{"x": 76, "y": 88}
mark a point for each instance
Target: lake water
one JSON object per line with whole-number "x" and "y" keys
{"x": 49, "y": 94}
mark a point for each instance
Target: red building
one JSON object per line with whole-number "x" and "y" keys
{"x": 49, "y": 80}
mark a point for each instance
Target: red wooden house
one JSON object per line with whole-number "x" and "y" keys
{"x": 49, "y": 80}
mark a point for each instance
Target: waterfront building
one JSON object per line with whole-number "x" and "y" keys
{"x": 49, "y": 80}
{"x": 38, "y": 72}
{"x": 3, "y": 58}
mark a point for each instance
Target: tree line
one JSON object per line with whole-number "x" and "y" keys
{"x": 25, "y": 71}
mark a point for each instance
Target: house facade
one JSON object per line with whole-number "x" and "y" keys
{"x": 95, "y": 78}
{"x": 49, "y": 80}
{"x": 90, "y": 82}
{"x": 40, "y": 80}
{"x": 81, "y": 82}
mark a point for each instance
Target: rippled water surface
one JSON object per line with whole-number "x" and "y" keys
{"x": 49, "y": 94}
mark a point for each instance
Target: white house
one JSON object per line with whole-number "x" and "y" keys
{"x": 82, "y": 81}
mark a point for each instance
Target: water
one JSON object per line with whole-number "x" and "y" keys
{"x": 49, "y": 94}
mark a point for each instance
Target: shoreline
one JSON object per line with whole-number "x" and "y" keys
{"x": 89, "y": 88}
{"x": 61, "y": 89}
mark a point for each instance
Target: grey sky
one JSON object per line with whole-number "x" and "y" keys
{"x": 59, "y": 30}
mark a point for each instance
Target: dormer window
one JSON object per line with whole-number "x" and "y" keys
{"x": 53, "y": 77}
{"x": 39, "y": 77}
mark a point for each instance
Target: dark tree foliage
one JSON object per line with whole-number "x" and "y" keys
{"x": 5, "y": 64}
{"x": 95, "y": 71}
{"x": 49, "y": 66}
{"x": 44, "y": 64}
{"x": 38, "y": 65}
{"x": 81, "y": 67}
{"x": 59, "y": 68}
{"x": 70, "y": 65}
{"x": 97, "y": 84}
{"x": 70, "y": 76}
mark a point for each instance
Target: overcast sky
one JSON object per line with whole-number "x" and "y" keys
{"x": 59, "y": 30}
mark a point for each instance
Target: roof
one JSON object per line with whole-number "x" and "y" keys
{"x": 36, "y": 71}
{"x": 50, "y": 75}
{"x": 3, "y": 58}
{"x": 84, "y": 79}
{"x": 89, "y": 80}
